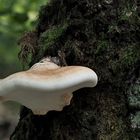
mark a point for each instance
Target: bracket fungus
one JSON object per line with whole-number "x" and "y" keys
{"x": 46, "y": 86}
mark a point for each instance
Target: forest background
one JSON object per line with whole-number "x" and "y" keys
{"x": 16, "y": 18}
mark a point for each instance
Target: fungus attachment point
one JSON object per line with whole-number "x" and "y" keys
{"x": 46, "y": 86}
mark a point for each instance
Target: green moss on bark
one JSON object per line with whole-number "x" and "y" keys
{"x": 50, "y": 37}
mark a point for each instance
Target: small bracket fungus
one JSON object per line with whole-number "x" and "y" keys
{"x": 46, "y": 86}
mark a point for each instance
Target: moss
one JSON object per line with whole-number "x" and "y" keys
{"x": 51, "y": 36}
{"x": 130, "y": 57}
{"x": 129, "y": 13}
{"x": 102, "y": 46}
{"x": 28, "y": 43}
{"x": 127, "y": 58}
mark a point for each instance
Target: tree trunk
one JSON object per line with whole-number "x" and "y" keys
{"x": 100, "y": 34}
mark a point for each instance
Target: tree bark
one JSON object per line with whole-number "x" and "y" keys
{"x": 100, "y": 34}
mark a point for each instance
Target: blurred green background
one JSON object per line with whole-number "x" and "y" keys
{"x": 16, "y": 17}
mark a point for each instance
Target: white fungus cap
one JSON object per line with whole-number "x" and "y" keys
{"x": 46, "y": 86}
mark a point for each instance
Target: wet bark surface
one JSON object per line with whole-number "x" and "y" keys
{"x": 103, "y": 35}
